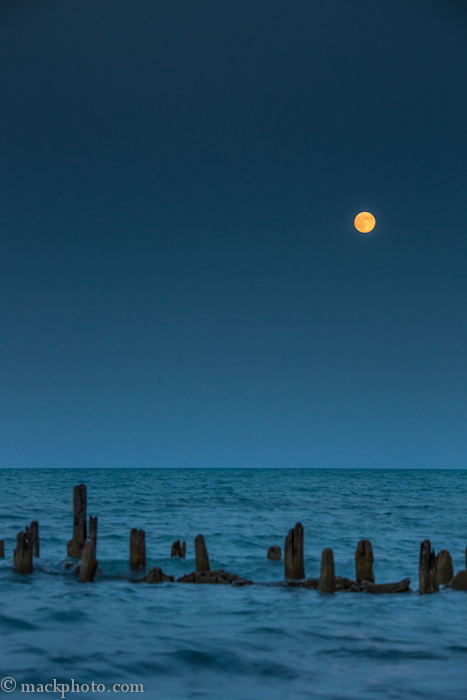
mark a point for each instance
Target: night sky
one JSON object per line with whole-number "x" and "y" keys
{"x": 181, "y": 284}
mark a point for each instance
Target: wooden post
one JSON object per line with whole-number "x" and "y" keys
{"x": 2, "y": 549}
{"x": 294, "y": 567}
{"x": 137, "y": 549}
{"x": 88, "y": 566}
{"x": 178, "y": 550}
{"x": 34, "y": 530}
{"x": 93, "y": 531}
{"x": 327, "y": 578}
{"x": 427, "y": 569}
{"x": 364, "y": 562}
{"x": 445, "y": 567}
{"x": 201, "y": 555}
{"x": 22, "y": 556}
{"x": 75, "y": 545}
{"x": 274, "y": 553}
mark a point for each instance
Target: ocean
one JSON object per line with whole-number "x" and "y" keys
{"x": 177, "y": 641}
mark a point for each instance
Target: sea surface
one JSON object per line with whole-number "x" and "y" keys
{"x": 215, "y": 642}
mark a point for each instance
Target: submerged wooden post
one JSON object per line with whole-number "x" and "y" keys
{"x": 2, "y": 549}
{"x": 427, "y": 569}
{"x": 364, "y": 562}
{"x": 88, "y": 566}
{"x": 274, "y": 553}
{"x": 327, "y": 578}
{"x": 92, "y": 535}
{"x": 22, "y": 556}
{"x": 445, "y": 567}
{"x": 34, "y": 530}
{"x": 201, "y": 555}
{"x": 75, "y": 545}
{"x": 137, "y": 548}
{"x": 294, "y": 567}
{"x": 466, "y": 557}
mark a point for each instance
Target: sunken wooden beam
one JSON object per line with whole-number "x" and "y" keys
{"x": 34, "y": 530}
{"x": 364, "y": 562}
{"x": 92, "y": 535}
{"x": 294, "y": 567}
{"x": 137, "y": 549}
{"x": 201, "y": 555}
{"x": 427, "y": 569}
{"x": 2, "y": 549}
{"x": 445, "y": 567}
{"x": 274, "y": 553}
{"x": 22, "y": 556}
{"x": 88, "y": 566}
{"x": 327, "y": 577}
{"x": 399, "y": 587}
{"x": 76, "y": 544}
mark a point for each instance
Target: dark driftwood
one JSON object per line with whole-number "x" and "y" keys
{"x": 294, "y": 567}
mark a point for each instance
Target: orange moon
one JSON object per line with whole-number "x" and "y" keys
{"x": 365, "y": 222}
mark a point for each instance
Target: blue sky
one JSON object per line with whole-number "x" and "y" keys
{"x": 181, "y": 283}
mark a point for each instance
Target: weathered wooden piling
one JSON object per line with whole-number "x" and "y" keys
{"x": 201, "y": 555}
{"x": 294, "y": 567}
{"x": 178, "y": 550}
{"x": 22, "y": 556}
{"x": 92, "y": 533}
{"x": 88, "y": 566}
{"x": 34, "y": 534}
{"x": 137, "y": 549}
{"x": 274, "y": 553}
{"x": 75, "y": 545}
{"x": 156, "y": 575}
{"x": 466, "y": 557}
{"x": 427, "y": 569}
{"x": 364, "y": 562}
{"x": 445, "y": 567}
{"x": 459, "y": 581}
{"x": 327, "y": 577}
{"x": 2, "y": 549}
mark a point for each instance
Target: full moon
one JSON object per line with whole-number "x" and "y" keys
{"x": 364, "y": 222}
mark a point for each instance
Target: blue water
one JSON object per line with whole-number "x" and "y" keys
{"x": 185, "y": 641}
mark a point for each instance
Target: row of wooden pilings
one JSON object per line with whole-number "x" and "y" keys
{"x": 433, "y": 570}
